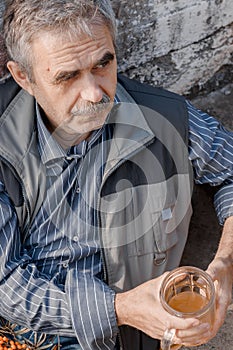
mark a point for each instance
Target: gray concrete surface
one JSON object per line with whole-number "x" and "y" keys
{"x": 204, "y": 230}
{"x": 174, "y": 43}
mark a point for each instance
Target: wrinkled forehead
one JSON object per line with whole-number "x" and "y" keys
{"x": 80, "y": 51}
{"x": 95, "y": 34}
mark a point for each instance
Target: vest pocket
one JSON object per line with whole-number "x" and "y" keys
{"x": 165, "y": 205}
{"x": 144, "y": 219}
{"x": 158, "y": 239}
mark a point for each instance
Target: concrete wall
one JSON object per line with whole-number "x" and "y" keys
{"x": 175, "y": 43}
{"x": 179, "y": 44}
{"x": 3, "y": 56}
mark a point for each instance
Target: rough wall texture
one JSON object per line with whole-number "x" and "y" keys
{"x": 175, "y": 43}
{"x": 3, "y": 56}
{"x": 179, "y": 44}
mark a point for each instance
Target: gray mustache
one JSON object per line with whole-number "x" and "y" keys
{"x": 92, "y": 108}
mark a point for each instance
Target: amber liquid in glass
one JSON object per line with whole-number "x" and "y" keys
{"x": 188, "y": 292}
{"x": 187, "y": 302}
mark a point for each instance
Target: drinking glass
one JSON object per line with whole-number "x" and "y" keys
{"x": 188, "y": 292}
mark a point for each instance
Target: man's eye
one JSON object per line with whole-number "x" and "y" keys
{"x": 102, "y": 65}
{"x": 70, "y": 76}
{"x": 65, "y": 77}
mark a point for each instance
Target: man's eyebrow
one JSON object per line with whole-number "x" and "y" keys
{"x": 65, "y": 75}
{"x": 107, "y": 57}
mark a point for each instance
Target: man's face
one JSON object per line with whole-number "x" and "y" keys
{"x": 72, "y": 77}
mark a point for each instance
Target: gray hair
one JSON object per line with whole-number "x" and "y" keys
{"x": 24, "y": 19}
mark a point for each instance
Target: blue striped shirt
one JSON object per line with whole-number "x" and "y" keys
{"x": 53, "y": 282}
{"x": 211, "y": 154}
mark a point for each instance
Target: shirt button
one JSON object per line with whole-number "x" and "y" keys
{"x": 78, "y": 190}
{"x": 75, "y": 238}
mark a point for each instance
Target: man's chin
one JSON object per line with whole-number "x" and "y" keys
{"x": 68, "y": 134}
{"x": 86, "y": 125}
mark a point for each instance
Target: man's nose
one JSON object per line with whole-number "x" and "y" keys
{"x": 91, "y": 90}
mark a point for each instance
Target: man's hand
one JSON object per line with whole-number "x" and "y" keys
{"x": 221, "y": 272}
{"x": 141, "y": 309}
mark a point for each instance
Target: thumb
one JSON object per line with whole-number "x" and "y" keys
{"x": 212, "y": 272}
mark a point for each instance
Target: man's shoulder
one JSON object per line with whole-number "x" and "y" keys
{"x": 168, "y": 104}
{"x": 8, "y": 90}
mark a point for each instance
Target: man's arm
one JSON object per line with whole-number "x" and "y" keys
{"x": 22, "y": 288}
{"x": 221, "y": 270}
{"x": 211, "y": 154}
{"x": 41, "y": 302}
{"x": 141, "y": 308}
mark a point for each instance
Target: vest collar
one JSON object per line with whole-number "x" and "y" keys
{"x": 17, "y": 128}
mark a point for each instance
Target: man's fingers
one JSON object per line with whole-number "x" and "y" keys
{"x": 182, "y": 323}
{"x": 195, "y": 335}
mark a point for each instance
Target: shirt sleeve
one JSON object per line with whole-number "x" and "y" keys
{"x": 224, "y": 203}
{"x": 211, "y": 154}
{"x": 95, "y": 326}
{"x": 39, "y": 302}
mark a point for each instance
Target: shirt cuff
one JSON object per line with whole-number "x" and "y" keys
{"x": 92, "y": 305}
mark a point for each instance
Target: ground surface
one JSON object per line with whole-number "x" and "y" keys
{"x": 205, "y": 231}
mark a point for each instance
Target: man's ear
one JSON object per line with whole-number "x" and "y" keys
{"x": 20, "y": 77}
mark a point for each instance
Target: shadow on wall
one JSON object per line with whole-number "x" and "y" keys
{"x": 3, "y": 54}
{"x": 205, "y": 231}
{"x": 3, "y": 59}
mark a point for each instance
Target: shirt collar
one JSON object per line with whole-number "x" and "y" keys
{"x": 49, "y": 148}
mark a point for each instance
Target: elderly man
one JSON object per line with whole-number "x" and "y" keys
{"x": 95, "y": 184}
